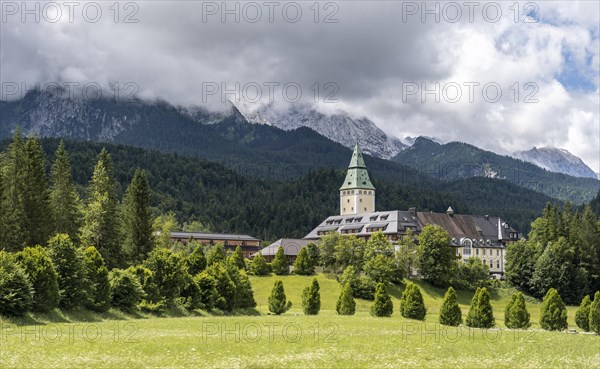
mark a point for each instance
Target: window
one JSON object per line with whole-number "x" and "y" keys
{"x": 484, "y": 261}
{"x": 477, "y": 252}
{"x": 348, "y": 201}
{"x": 467, "y": 245}
{"x": 491, "y": 264}
{"x": 352, "y": 208}
{"x": 497, "y": 252}
{"x": 498, "y": 264}
{"x": 344, "y": 209}
{"x": 365, "y": 209}
{"x": 360, "y": 200}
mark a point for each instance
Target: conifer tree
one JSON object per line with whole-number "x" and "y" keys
{"x": 137, "y": 220}
{"x": 225, "y": 287}
{"x": 582, "y": 316}
{"x": 65, "y": 203}
{"x": 345, "y": 304}
{"x": 450, "y": 313}
{"x": 303, "y": 265}
{"x": 70, "y": 269}
{"x": 102, "y": 223}
{"x": 516, "y": 315}
{"x": 216, "y": 255}
{"x": 196, "y": 261}
{"x": 97, "y": 278}
{"x": 313, "y": 254}
{"x": 40, "y": 271}
{"x": 411, "y": 303}
{"x": 280, "y": 264}
{"x": 16, "y": 293}
{"x": 259, "y": 265}
{"x": 481, "y": 314}
{"x": 13, "y": 235}
{"x": 237, "y": 258}
{"x": 311, "y": 298}
{"x": 595, "y": 314}
{"x": 244, "y": 295}
{"x": 126, "y": 292}
{"x": 278, "y": 302}
{"x": 382, "y": 305}
{"x": 553, "y": 313}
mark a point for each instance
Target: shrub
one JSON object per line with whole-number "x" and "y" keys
{"x": 259, "y": 265}
{"x": 278, "y": 303}
{"x": 382, "y": 306}
{"x": 189, "y": 296}
{"x": 237, "y": 258}
{"x": 473, "y": 274}
{"x": 168, "y": 271}
{"x": 125, "y": 290}
{"x": 303, "y": 265}
{"x": 311, "y": 299}
{"x": 98, "y": 288}
{"x": 40, "y": 271}
{"x": 345, "y": 304}
{"x": 244, "y": 296}
{"x": 216, "y": 255}
{"x": 196, "y": 261}
{"x": 207, "y": 288}
{"x": 411, "y": 303}
{"x": 582, "y": 316}
{"x": 146, "y": 279}
{"x": 450, "y": 313}
{"x": 553, "y": 313}
{"x": 366, "y": 288}
{"x": 225, "y": 287}
{"x": 280, "y": 264}
{"x": 595, "y": 314}
{"x": 481, "y": 314}
{"x": 313, "y": 253}
{"x": 516, "y": 315}
{"x": 16, "y": 293}
{"x": 69, "y": 266}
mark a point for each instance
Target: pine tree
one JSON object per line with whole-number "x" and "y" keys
{"x": 450, "y": 313}
{"x": 278, "y": 303}
{"x": 259, "y": 265}
{"x": 303, "y": 265}
{"x": 553, "y": 313}
{"x": 13, "y": 235}
{"x": 237, "y": 258}
{"x": 411, "y": 303}
{"x": 41, "y": 273}
{"x": 65, "y": 203}
{"x": 280, "y": 264}
{"x": 216, "y": 255}
{"x": 345, "y": 304}
{"x": 516, "y": 315}
{"x": 137, "y": 220}
{"x": 382, "y": 305}
{"x": 595, "y": 314}
{"x": 311, "y": 299}
{"x": 70, "y": 269}
{"x": 97, "y": 279}
{"x": 196, "y": 261}
{"x": 582, "y": 316}
{"x": 102, "y": 223}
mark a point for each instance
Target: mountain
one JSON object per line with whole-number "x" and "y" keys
{"x": 557, "y": 160}
{"x": 457, "y": 160}
{"x": 339, "y": 127}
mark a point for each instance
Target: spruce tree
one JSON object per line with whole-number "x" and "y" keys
{"x": 216, "y": 255}
{"x": 126, "y": 292}
{"x": 13, "y": 235}
{"x": 345, "y": 304}
{"x": 553, "y": 313}
{"x": 480, "y": 313}
{"x": 411, "y": 303}
{"x": 65, "y": 203}
{"x": 278, "y": 303}
{"x": 16, "y": 293}
{"x": 40, "y": 271}
{"x": 450, "y": 313}
{"x": 382, "y": 305}
{"x": 237, "y": 258}
{"x": 582, "y": 316}
{"x": 311, "y": 298}
{"x": 70, "y": 269}
{"x": 313, "y": 253}
{"x": 196, "y": 261}
{"x": 516, "y": 315}
{"x": 97, "y": 279}
{"x": 102, "y": 223}
{"x": 259, "y": 265}
{"x": 280, "y": 264}
{"x": 303, "y": 265}
{"x": 225, "y": 287}
{"x": 137, "y": 220}
{"x": 244, "y": 295}
{"x": 595, "y": 314}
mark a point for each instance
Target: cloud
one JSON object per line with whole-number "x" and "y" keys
{"x": 374, "y": 51}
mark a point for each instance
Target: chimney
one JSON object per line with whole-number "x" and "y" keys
{"x": 413, "y": 211}
{"x": 450, "y": 211}
{"x": 487, "y": 217}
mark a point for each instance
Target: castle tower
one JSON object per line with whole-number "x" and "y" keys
{"x": 357, "y": 194}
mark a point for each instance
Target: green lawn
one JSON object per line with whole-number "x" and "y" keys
{"x": 292, "y": 340}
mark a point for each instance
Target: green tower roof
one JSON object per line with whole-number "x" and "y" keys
{"x": 357, "y": 177}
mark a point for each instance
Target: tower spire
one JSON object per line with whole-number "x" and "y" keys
{"x": 357, "y": 194}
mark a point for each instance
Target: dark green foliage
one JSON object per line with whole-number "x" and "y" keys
{"x": 411, "y": 303}
{"x": 40, "y": 271}
{"x": 13, "y": 230}
{"x": 582, "y": 316}
{"x": 313, "y": 253}
{"x": 146, "y": 279}
{"x": 311, "y": 299}
{"x": 450, "y": 313}
{"x": 303, "y": 265}
{"x": 259, "y": 265}
{"x": 436, "y": 259}
{"x": 244, "y": 295}
{"x": 16, "y": 294}
{"x": 380, "y": 268}
{"x": 207, "y": 291}
{"x": 216, "y": 254}
{"x": 196, "y": 261}
{"x": 137, "y": 220}
{"x": 189, "y": 294}
{"x": 595, "y": 314}
{"x": 350, "y": 251}
{"x": 473, "y": 274}
{"x": 126, "y": 292}
{"x": 382, "y": 305}
{"x": 480, "y": 313}
{"x": 224, "y": 286}
{"x": 520, "y": 264}
{"x": 278, "y": 302}
{"x": 366, "y": 288}
{"x": 349, "y": 276}
{"x": 168, "y": 272}
{"x": 65, "y": 203}
{"x": 237, "y": 258}
{"x": 553, "y": 313}
{"x": 280, "y": 264}
{"x": 98, "y": 287}
{"x": 327, "y": 247}
{"x": 69, "y": 266}
{"x": 345, "y": 304}
{"x": 516, "y": 315}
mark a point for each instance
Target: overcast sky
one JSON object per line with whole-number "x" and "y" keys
{"x": 378, "y": 55}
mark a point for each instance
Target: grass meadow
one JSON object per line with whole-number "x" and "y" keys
{"x": 258, "y": 340}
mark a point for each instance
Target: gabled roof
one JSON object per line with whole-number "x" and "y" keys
{"x": 212, "y": 236}
{"x": 291, "y": 247}
{"x": 357, "y": 176}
